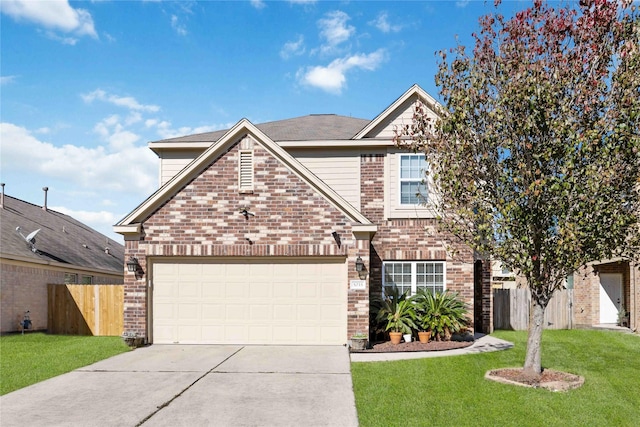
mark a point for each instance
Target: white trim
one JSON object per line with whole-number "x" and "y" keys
{"x": 416, "y": 90}
{"x": 422, "y": 180}
{"x": 414, "y": 270}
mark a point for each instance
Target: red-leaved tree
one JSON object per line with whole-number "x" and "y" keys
{"x": 535, "y": 155}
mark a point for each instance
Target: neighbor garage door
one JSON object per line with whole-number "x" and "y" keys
{"x": 252, "y": 301}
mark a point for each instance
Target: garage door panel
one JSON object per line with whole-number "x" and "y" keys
{"x": 283, "y": 289}
{"x": 164, "y": 311}
{"x": 284, "y": 312}
{"x": 260, "y": 313}
{"x": 212, "y": 312}
{"x": 189, "y": 311}
{"x": 188, "y": 289}
{"x": 238, "y": 289}
{"x": 259, "y": 290}
{"x": 330, "y": 312}
{"x": 212, "y": 290}
{"x": 252, "y": 302}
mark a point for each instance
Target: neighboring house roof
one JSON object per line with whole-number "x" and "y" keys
{"x": 61, "y": 240}
{"x": 305, "y": 128}
{"x": 130, "y": 224}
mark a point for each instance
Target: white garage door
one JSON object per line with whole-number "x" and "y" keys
{"x": 252, "y": 301}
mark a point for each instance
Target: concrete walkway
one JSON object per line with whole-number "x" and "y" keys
{"x": 197, "y": 385}
{"x": 483, "y": 344}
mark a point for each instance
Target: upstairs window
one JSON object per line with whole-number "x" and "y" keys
{"x": 245, "y": 178}
{"x": 413, "y": 188}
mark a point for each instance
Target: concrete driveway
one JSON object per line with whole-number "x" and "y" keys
{"x": 196, "y": 385}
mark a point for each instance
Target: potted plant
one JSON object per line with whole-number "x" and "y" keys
{"x": 358, "y": 341}
{"x": 441, "y": 313}
{"x": 397, "y": 314}
{"x": 423, "y": 316}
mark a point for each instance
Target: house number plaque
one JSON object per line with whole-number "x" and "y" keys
{"x": 358, "y": 285}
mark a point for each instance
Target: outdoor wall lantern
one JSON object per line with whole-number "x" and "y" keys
{"x": 132, "y": 264}
{"x": 359, "y": 264}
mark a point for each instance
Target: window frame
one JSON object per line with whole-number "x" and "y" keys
{"x": 421, "y": 181}
{"x": 70, "y": 278}
{"x": 414, "y": 274}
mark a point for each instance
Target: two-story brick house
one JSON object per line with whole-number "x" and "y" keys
{"x": 282, "y": 233}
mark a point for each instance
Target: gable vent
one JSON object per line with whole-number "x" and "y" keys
{"x": 246, "y": 171}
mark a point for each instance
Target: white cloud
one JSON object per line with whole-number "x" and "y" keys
{"x": 302, "y": 1}
{"x": 382, "y": 24}
{"x": 332, "y": 78}
{"x": 52, "y": 14}
{"x": 334, "y": 30}
{"x": 121, "y": 101}
{"x": 258, "y": 4}
{"x": 462, "y": 3}
{"x": 130, "y": 169}
{"x": 102, "y": 221}
{"x": 181, "y": 29}
{"x": 165, "y": 131}
{"x": 293, "y": 48}
{"x": 5, "y": 80}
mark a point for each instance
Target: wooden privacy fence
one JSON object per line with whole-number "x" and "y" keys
{"x": 85, "y": 309}
{"x": 511, "y": 309}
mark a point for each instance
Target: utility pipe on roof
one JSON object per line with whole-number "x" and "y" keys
{"x": 2, "y": 197}
{"x": 45, "y": 189}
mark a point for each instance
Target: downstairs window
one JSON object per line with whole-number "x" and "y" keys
{"x": 410, "y": 276}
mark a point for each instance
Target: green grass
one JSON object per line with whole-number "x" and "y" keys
{"x": 452, "y": 391}
{"x": 34, "y": 357}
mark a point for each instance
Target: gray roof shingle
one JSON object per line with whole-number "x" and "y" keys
{"x": 306, "y": 128}
{"x": 61, "y": 238}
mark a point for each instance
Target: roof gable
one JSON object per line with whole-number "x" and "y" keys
{"x": 398, "y": 112}
{"x": 130, "y": 224}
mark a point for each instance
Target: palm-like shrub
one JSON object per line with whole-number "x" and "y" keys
{"x": 396, "y": 312}
{"x": 442, "y": 313}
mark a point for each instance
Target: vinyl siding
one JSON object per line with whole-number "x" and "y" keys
{"x": 172, "y": 162}
{"x": 338, "y": 168}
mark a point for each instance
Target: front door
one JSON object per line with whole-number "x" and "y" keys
{"x": 610, "y": 297}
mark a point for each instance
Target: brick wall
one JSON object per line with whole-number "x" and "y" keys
{"x": 23, "y": 286}
{"x": 411, "y": 239}
{"x": 586, "y": 294}
{"x": 203, "y": 219}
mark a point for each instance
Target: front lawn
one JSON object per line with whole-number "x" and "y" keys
{"x": 452, "y": 391}
{"x": 34, "y": 357}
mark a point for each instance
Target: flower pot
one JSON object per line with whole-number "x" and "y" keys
{"x": 395, "y": 337}
{"x": 407, "y": 337}
{"x": 358, "y": 344}
{"x": 424, "y": 337}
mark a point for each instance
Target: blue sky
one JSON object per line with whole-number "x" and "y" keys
{"x": 86, "y": 85}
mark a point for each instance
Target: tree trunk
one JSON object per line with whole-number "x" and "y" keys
{"x": 533, "y": 359}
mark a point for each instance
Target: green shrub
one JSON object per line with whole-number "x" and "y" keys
{"x": 442, "y": 313}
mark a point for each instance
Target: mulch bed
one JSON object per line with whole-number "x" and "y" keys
{"x": 387, "y": 347}
{"x": 550, "y": 379}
